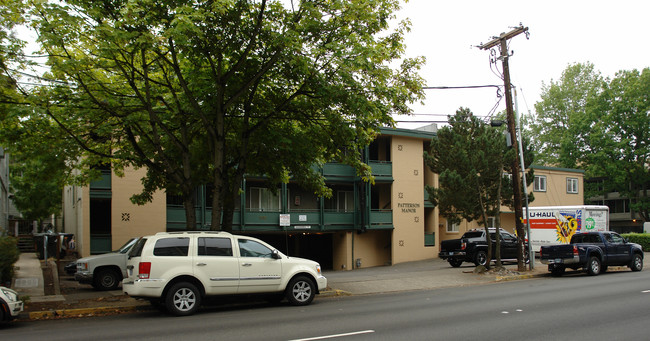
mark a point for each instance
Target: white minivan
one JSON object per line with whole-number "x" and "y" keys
{"x": 176, "y": 270}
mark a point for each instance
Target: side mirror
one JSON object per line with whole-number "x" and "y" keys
{"x": 275, "y": 254}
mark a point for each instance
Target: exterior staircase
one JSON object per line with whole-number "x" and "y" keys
{"x": 26, "y": 243}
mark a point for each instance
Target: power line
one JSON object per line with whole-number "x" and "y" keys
{"x": 460, "y": 87}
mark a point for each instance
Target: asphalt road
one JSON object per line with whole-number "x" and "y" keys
{"x": 574, "y": 307}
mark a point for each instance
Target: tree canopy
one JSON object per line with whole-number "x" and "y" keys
{"x": 563, "y": 115}
{"x": 203, "y": 92}
{"x": 599, "y": 125}
{"x": 468, "y": 155}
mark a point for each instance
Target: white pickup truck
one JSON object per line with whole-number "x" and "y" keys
{"x": 105, "y": 271}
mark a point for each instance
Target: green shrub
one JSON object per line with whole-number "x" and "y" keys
{"x": 8, "y": 257}
{"x": 642, "y": 239}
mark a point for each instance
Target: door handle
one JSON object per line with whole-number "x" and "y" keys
{"x": 201, "y": 264}
{"x": 246, "y": 264}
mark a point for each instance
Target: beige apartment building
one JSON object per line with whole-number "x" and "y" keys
{"x": 362, "y": 225}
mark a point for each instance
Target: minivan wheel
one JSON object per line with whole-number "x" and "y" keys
{"x": 300, "y": 291}
{"x": 183, "y": 299}
{"x": 107, "y": 279}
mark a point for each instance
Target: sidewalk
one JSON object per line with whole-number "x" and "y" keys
{"x": 71, "y": 299}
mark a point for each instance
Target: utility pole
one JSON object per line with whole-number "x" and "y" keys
{"x": 502, "y": 41}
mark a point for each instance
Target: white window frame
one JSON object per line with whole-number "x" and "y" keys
{"x": 491, "y": 222}
{"x": 264, "y": 200}
{"x": 453, "y": 228}
{"x": 539, "y": 184}
{"x": 345, "y": 201}
{"x": 572, "y": 185}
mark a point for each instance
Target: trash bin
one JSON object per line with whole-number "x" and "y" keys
{"x": 54, "y": 242}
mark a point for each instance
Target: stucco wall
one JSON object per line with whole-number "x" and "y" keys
{"x": 408, "y": 200}
{"x": 372, "y": 248}
{"x": 556, "y": 192}
{"x": 130, "y": 220}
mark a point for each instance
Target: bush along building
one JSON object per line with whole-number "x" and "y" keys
{"x": 361, "y": 225}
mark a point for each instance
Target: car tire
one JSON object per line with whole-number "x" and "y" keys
{"x": 183, "y": 299}
{"x": 637, "y": 263}
{"x": 557, "y": 270}
{"x": 300, "y": 291}
{"x": 455, "y": 262}
{"x": 107, "y": 279}
{"x": 594, "y": 266}
{"x": 480, "y": 258}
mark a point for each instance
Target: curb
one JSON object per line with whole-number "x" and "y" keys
{"x": 82, "y": 312}
{"x": 518, "y": 277}
{"x": 334, "y": 293}
{"x": 89, "y": 312}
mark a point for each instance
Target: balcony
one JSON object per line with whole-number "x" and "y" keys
{"x": 381, "y": 170}
{"x": 308, "y": 220}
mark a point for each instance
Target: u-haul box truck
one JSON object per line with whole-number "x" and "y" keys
{"x": 557, "y": 224}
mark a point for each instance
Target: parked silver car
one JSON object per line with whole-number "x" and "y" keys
{"x": 105, "y": 271}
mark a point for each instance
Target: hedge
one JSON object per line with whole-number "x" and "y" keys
{"x": 8, "y": 257}
{"x": 642, "y": 239}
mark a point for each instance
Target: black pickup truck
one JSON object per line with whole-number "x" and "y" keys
{"x": 592, "y": 251}
{"x": 472, "y": 247}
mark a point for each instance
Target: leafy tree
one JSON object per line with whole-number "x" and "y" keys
{"x": 600, "y": 125}
{"x": 468, "y": 155}
{"x": 207, "y": 91}
{"x": 619, "y": 141}
{"x": 11, "y": 56}
{"x": 562, "y": 116}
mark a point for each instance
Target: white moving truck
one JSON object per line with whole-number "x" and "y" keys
{"x": 557, "y": 224}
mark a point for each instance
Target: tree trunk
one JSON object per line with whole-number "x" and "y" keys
{"x": 190, "y": 212}
{"x": 497, "y": 225}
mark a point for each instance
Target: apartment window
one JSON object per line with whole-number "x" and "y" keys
{"x": 345, "y": 201}
{"x": 618, "y": 206}
{"x": 452, "y": 227}
{"x": 491, "y": 222}
{"x": 262, "y": 199}
{"x": 539, "y": 185}
{"x": 572, "y": 185}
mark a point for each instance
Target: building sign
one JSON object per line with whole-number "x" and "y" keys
{"x": 408, "y": 207}
{"x": 285, "y": 219}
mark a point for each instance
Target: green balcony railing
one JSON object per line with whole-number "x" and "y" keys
{"x": 100, "y": 243}
{"x": 313, "y": 220}
{"x": 103, "y": 183}
{"x": 430, "y": 239}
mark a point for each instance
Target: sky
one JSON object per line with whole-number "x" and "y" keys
{"x": 613, "y": 35}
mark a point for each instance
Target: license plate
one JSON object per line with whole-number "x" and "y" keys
{"x": 558, "y": 260}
